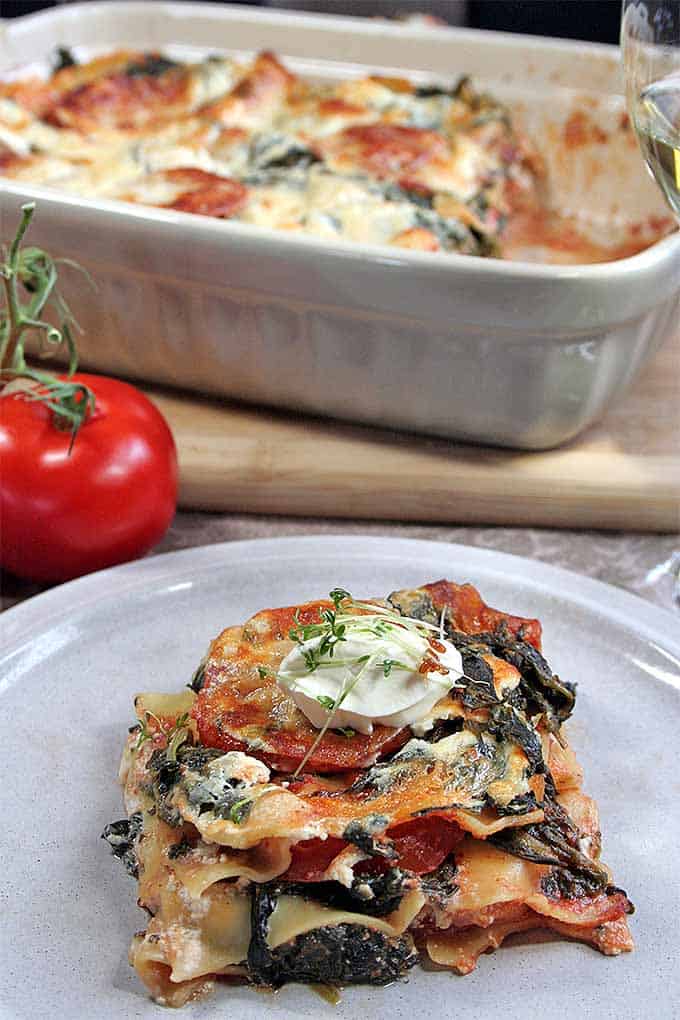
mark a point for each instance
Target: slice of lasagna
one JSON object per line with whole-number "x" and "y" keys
{"x": 348, "y": 784}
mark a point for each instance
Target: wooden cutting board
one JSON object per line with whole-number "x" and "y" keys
{"x": 623, "y": 473}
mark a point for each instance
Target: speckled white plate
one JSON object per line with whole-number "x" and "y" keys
{"x": 71, "y": 660}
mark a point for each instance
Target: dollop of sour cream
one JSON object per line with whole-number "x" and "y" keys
{"x": 371, "y": 678}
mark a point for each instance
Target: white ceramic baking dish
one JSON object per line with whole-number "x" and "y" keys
{"x": 515, "y": 354}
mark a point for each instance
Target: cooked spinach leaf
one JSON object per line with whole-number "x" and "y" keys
{"x": 122, "y": 837}
{"x": 63, "y": 58}
{"x": 451, "y": 233}
{"x": 296, "y": 156}
{"x": 522, "y": 804}
{"x": 507, "y": 723}
{"x": 361, "y": 832}
{"x": 471, "y": 766}
{"x": 397, "y": 193}
{"x": 415, "y": 603}
{"x": 340, "y": 955}
{"x": 150, "y": 64}
{"x": 166, "y": 772}
{"x": 440, "y": 885}
{"x": 179, "y": 849}
{"x": 275, "y": 151}
{"x": 224, "y": 795}
{"x": 198, "y": 679}
{"x": 429, "y": 91}
{"x": 444, "y": 728}
{"x": 461, "y": 90}
{"x": 476, "y": 769}
{"x": 540, "y": 690}
{"x": 373, "y": 894}
{"x": 479, "y": 690}
{"x": 385, "y": 775}
{"x": 554, "y": 841}
{"x": 562, "y": 883}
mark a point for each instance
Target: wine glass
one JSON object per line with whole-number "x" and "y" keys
{"x": 650, "y": 45}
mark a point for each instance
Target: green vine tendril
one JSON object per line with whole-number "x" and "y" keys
{"x": 29, "y": 282}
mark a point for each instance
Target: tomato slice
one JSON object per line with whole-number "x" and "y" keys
{"x": 285, "y": 750}
{"x": 311, "y": 857}
{"x": 207, "y": 194}
{"x": 242, "y": 707}
{"x": 471, "y": 615}
{"x": 423, "y": 843}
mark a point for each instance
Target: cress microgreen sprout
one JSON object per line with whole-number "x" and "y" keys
{"x": 240, "y": 810}
{"x": 144, "y": 733}
{"x": 175, "y": 735}
{"x": 29, "y": 284}
{"x": 388, "y": 664}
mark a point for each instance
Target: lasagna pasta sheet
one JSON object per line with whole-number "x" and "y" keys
{"x": 267, "y": 851}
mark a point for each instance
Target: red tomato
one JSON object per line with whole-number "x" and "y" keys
{"x": 469, "y": 613}
{"x": 423, "y": 843}
{"x": 311, "y": 857}
{"x": 109, "y": 501}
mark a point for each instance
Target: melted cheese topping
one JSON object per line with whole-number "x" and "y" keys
{"x": 369, "y": 160}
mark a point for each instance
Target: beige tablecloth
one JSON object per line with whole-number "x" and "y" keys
{"x": 631, "y": 561}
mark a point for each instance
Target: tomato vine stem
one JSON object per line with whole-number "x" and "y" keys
{"x": 70, "y": 402}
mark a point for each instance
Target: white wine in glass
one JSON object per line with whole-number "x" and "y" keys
{"x": 650, "y": 44}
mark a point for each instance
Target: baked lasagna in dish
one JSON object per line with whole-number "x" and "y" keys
{"x": 377, "y": 160}
{"x": 346, "y": 785}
